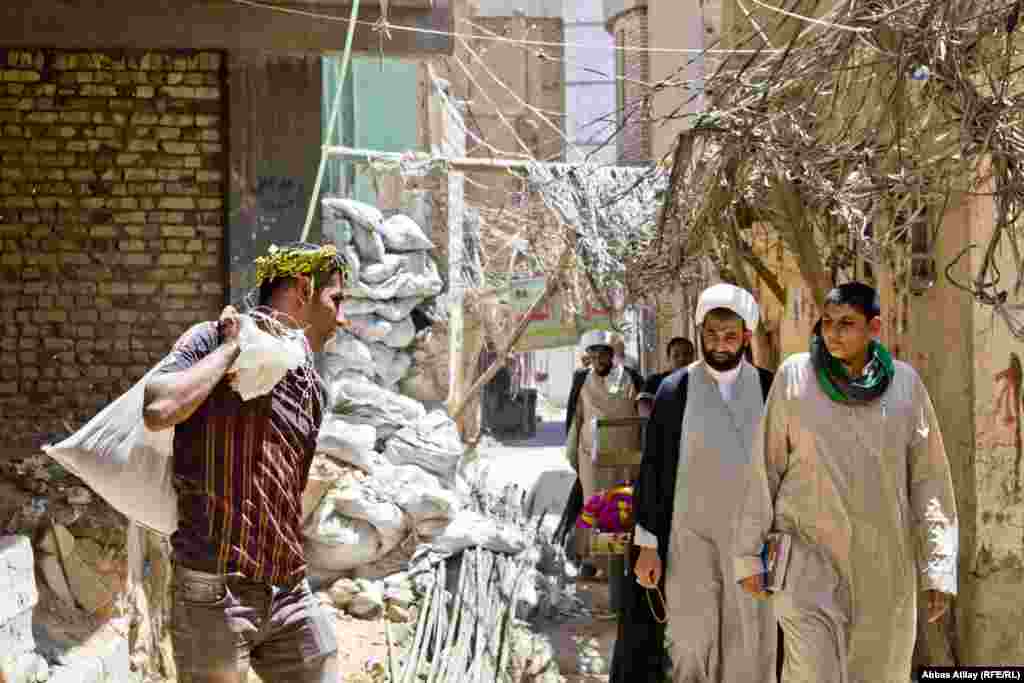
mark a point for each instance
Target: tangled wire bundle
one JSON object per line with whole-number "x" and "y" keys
{"x": 848, "y": 129}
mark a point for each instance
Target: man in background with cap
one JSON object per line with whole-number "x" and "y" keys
{"x": 850, "y": 466}
{"x": 697, "y": 447}
{"x": 605, "y": 390}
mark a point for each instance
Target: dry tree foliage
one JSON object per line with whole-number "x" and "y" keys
{"x": 857, "y": 125}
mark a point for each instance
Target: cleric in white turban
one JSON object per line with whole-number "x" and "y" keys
{"x": 696, "y": 451}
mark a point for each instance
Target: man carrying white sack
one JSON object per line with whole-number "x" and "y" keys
{"x": 696, "y": 451}
{"x": 241, "y": 597}
{"x": 850, "y": 467}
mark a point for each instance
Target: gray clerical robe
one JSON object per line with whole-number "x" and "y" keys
{"x": 865, "y": 492}
{"x": 716, "y": 632}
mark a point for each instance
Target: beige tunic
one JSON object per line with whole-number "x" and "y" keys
{"x": 612, "y": 396}
{"x": 867, "y": 495}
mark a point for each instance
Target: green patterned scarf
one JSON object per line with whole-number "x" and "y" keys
{"x": 836, "y": 382}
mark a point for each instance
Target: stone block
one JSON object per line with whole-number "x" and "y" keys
{"x": 16, "y": 634}
{"x": 18, "y": 591}
{"x": 26, "y": 667}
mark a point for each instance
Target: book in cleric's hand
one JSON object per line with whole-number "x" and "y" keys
{"x": 775, "y": 556}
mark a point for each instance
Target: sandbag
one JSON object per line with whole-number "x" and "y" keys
{"x": 343, "y": 545}
{"x": 401, "y": 233}
{"x": 370, "y": 328}
{"x": 349, "y": 443}
{"x": 431, "y": 442}
{"x": 401, "y": 334}
{"x": 344, "y": 352}
{"x": 357, "y": 213}
{"x": 390, "y": 365}
{"x": 264, "y": 359}
{"x": 126, "y": 464}
{"x": 429, "y": 506}
{"x": 376, "y": 273}
{"x": 392, "y": 311}
{"x": 360, "y": 501}
{"x": 420, "y": 279}
{"x": 470, "y": 529}
{"x": 369, "y": 243}
{"x": 368, "y": 403}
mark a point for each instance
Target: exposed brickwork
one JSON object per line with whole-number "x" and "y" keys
{"x": 630, "y": 29}
{"x": 111, "y": 224}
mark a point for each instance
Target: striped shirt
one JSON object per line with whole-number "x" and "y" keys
{"x": 240, "y": 469}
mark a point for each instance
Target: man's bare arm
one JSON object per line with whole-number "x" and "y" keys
{"x": 171, "y": 398}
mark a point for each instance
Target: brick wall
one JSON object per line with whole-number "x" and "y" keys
{"x": 630, "y": 29}
{"x": 111, "y": 224}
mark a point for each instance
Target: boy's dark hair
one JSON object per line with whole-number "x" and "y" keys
{"x": 679, "y": 340}
{"x": 320, "y": 278}
{"x": 856, "y": 295}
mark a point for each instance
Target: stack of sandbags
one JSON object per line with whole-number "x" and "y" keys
{"x": 393, "y": 274}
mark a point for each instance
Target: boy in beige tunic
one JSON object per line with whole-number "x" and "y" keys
{"x": 849, "y": 462}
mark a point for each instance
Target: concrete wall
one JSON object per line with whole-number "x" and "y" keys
{"x": 274, "y": 154}
{"x": 112, "y": 223}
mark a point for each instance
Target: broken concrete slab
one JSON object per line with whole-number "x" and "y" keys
{"x": 26, "y": 667}
{"x": 103, "y": 658}
{"x": 18, "y": 591}
{"x": 16, "y": 634}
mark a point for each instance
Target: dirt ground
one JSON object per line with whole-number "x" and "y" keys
{"x": 361, "y": 641}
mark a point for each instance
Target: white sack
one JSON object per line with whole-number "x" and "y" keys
{"x": 361, "y": 502}
{"x": 401, "y": 334}
{"x": 401, "y": 233}
{"x": 126, "y": 464}
{"x": 429, "y": 506}
{"x": 377, "y": 273}
{"x": 351, "y": 543}
{"x": 369, "y": 243}
{"x": 349, "y": 443}
{"x": 420, "y": 279}
{"x": 470, "y": 529}
{"x": 370, "y": 404}
{"x": 358, "y": 213}
{"x": 392, "y": 311}
{"x": 344, "y": 352}
{"x": 369, "y": 328}
{"x": 431, "y": 442}
{"x": 264, "y": 359}
{"x": 390, "y": 365}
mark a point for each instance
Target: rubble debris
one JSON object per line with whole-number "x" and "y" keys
{"x": 342, "y": 591}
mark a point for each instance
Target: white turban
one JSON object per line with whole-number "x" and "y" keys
{"x": 732, "y": 298}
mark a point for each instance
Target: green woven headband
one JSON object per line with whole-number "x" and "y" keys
{"x": 285, "y": 262}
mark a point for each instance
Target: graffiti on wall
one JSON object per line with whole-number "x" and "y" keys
{"x": 1000, "y": 426}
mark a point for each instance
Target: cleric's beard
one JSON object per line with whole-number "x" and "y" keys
{"x": 728, "y": 363}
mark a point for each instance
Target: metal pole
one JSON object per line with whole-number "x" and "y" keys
{"x": 346, "y": 56}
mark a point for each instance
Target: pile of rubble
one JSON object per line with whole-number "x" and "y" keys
{"x": 390, "y": 299}
{"x": 384, "y": 482}
{"x": 40, "y": 640}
